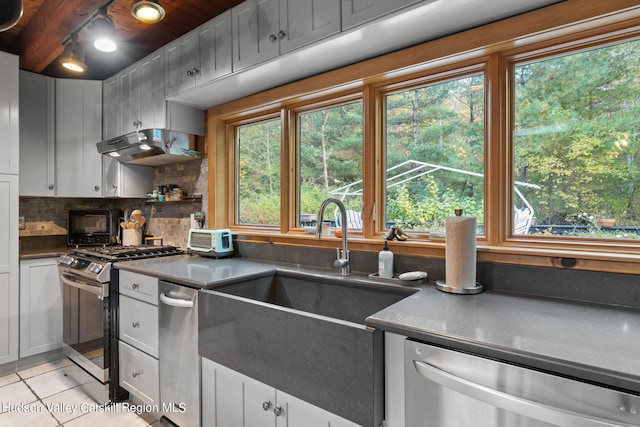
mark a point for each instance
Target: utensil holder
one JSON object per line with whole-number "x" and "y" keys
{"x": 131, "y": 237}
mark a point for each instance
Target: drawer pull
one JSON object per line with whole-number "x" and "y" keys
{"x": 135, "y": 324}
{"x": 135, "y": 373}
{"x": 135, "y": 286}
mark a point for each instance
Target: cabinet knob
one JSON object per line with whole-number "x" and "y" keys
{"x": 135, "y": 324}
{"x": 282, "y": 35}
{"x": 266, "y": 405}
{"x": 139, "y": 123}
{"x": 273, "y": 37}
{"x": 196, "y": 71}
{"x": 134, "y": 286}
{"x": 115, "y": 186}
{"x": 278, "y": 410}
{"x": 50, "y": 186}
{"x": 135, "y": 373}
{"x": 97, "y": 187}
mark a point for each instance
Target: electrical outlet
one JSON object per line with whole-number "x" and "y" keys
{"x": 21, "y": 223}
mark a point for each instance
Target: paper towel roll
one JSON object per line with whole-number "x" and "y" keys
{"x": 460, "y": 255}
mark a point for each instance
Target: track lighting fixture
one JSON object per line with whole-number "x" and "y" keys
{"x": 103, "y": 32}
{"x": 147, "y": 11}
{"x": 73, "y": 56}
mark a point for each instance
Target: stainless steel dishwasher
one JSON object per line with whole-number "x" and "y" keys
{"x": 446, "y": 388}
{"x": 178, "y": 354}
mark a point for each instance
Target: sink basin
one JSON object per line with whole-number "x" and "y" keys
{"x": 304, "y": 335}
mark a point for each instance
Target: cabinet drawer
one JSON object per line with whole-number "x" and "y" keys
{"x": 139, "y": 286}
{"x": 139, "y": 374}
{"x": 139, "y": 324}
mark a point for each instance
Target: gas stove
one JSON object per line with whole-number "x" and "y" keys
{"x": 94, "y": 262}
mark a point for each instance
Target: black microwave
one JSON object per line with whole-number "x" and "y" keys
{"x": 94, "y": 227}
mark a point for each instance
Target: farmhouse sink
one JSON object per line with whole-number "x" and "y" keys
{"x": 303, "y": 334}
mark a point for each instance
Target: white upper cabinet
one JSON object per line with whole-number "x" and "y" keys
{"x": 255, "y": 32}
{"x": 357, "y": 12}
{"x": 78, "y": 129}
{"x": 9, "y": 124}
{"x": 37, "y": 135}
{"x": 111, "y": 107}
{"x": 129, "y": 85}
{"x": 306, "y": 21}
{"x": 264, "y": 29}
{"x": 199, "y": 56}
{"x": 153, "y": 107}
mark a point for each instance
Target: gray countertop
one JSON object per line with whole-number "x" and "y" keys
{"x": 596, "y": 343}
{"x": 196, "y": 271}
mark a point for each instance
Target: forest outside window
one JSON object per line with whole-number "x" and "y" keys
{"x": 576, "y": 144}
{"x": 259, "y": 157}
{"x": 435, "y": 137}
{"x": 330, "y": 144}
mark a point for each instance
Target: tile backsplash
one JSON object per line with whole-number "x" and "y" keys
{"x": 48, "y": 216}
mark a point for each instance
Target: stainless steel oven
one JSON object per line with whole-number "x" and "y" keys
{"x": 88, "y": 313}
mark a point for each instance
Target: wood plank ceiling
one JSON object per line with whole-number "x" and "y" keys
{"x": 46, "y": 24}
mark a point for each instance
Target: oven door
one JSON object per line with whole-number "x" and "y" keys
{"x": 85, "y": 319}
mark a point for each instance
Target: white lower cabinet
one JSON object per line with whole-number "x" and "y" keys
{"x": 138, "y": 335}
{"x": 139, "y": 374}
{"x": 40, "y": 306}
{"x": 230, "y": 398}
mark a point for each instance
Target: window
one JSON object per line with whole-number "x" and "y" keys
{"x": 576, "y": 149}
{"x": 258, "y": 175}
{"x": 435, "y": 153}
{"x": 330, "y": 160}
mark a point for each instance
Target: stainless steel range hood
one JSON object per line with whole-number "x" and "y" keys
{"x": 151, "y": 147}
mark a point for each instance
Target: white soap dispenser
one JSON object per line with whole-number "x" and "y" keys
{"x": 385, "y": 262}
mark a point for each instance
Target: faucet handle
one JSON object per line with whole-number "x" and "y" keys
{"x": 341, "y": 263}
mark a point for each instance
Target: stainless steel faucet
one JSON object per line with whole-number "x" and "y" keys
{"x": 342, "y": 260}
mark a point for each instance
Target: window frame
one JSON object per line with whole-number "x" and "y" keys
{"x": 496, "y": 46}
{"x": 294, "y": 112}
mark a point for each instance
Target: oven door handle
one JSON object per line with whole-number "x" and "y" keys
{"x": 536, "y": 410}
{"x": 70, "y": 281}
{"x": 175, "y": 302}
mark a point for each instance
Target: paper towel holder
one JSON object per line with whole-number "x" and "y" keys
{"x": 467, "y": 290}
{"x": 441, "y": 285}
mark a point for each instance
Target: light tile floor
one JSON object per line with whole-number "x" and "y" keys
{"x": 43, "y": 396}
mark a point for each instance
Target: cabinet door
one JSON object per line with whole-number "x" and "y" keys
{"x": 259, "y": 404}
{"x": 306, "y": 21}
{"x": 356, "y": 12}
{"x": 9, "y": 113}
{"x": 78, "y": 129}
{"x": 214, "y": 42}
{"x": 125, "y": 180}
{"x": 40, "y": 306}
{"x": 37, "y": 136}
{"x": 296, "y": 412}
{"x": 153, "y": 107}
{"x": 9, "y": 269}
{"x": 139, "y": 324}
{"x": 111, "y": 107}
{"x": 129, "y": 99}
{"x": 255, "y": 32}
{"x": 181, "y": 61}
{"x": 139, "y": 374}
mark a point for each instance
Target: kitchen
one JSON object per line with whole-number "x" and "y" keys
{"x": 520, "y": 285}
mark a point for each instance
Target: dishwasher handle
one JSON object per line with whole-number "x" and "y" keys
{"x": 175, "y": 302}
{"x": 531, "y": 409}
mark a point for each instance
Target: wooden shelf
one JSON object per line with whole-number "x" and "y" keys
{"x": 188, "y": 200}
